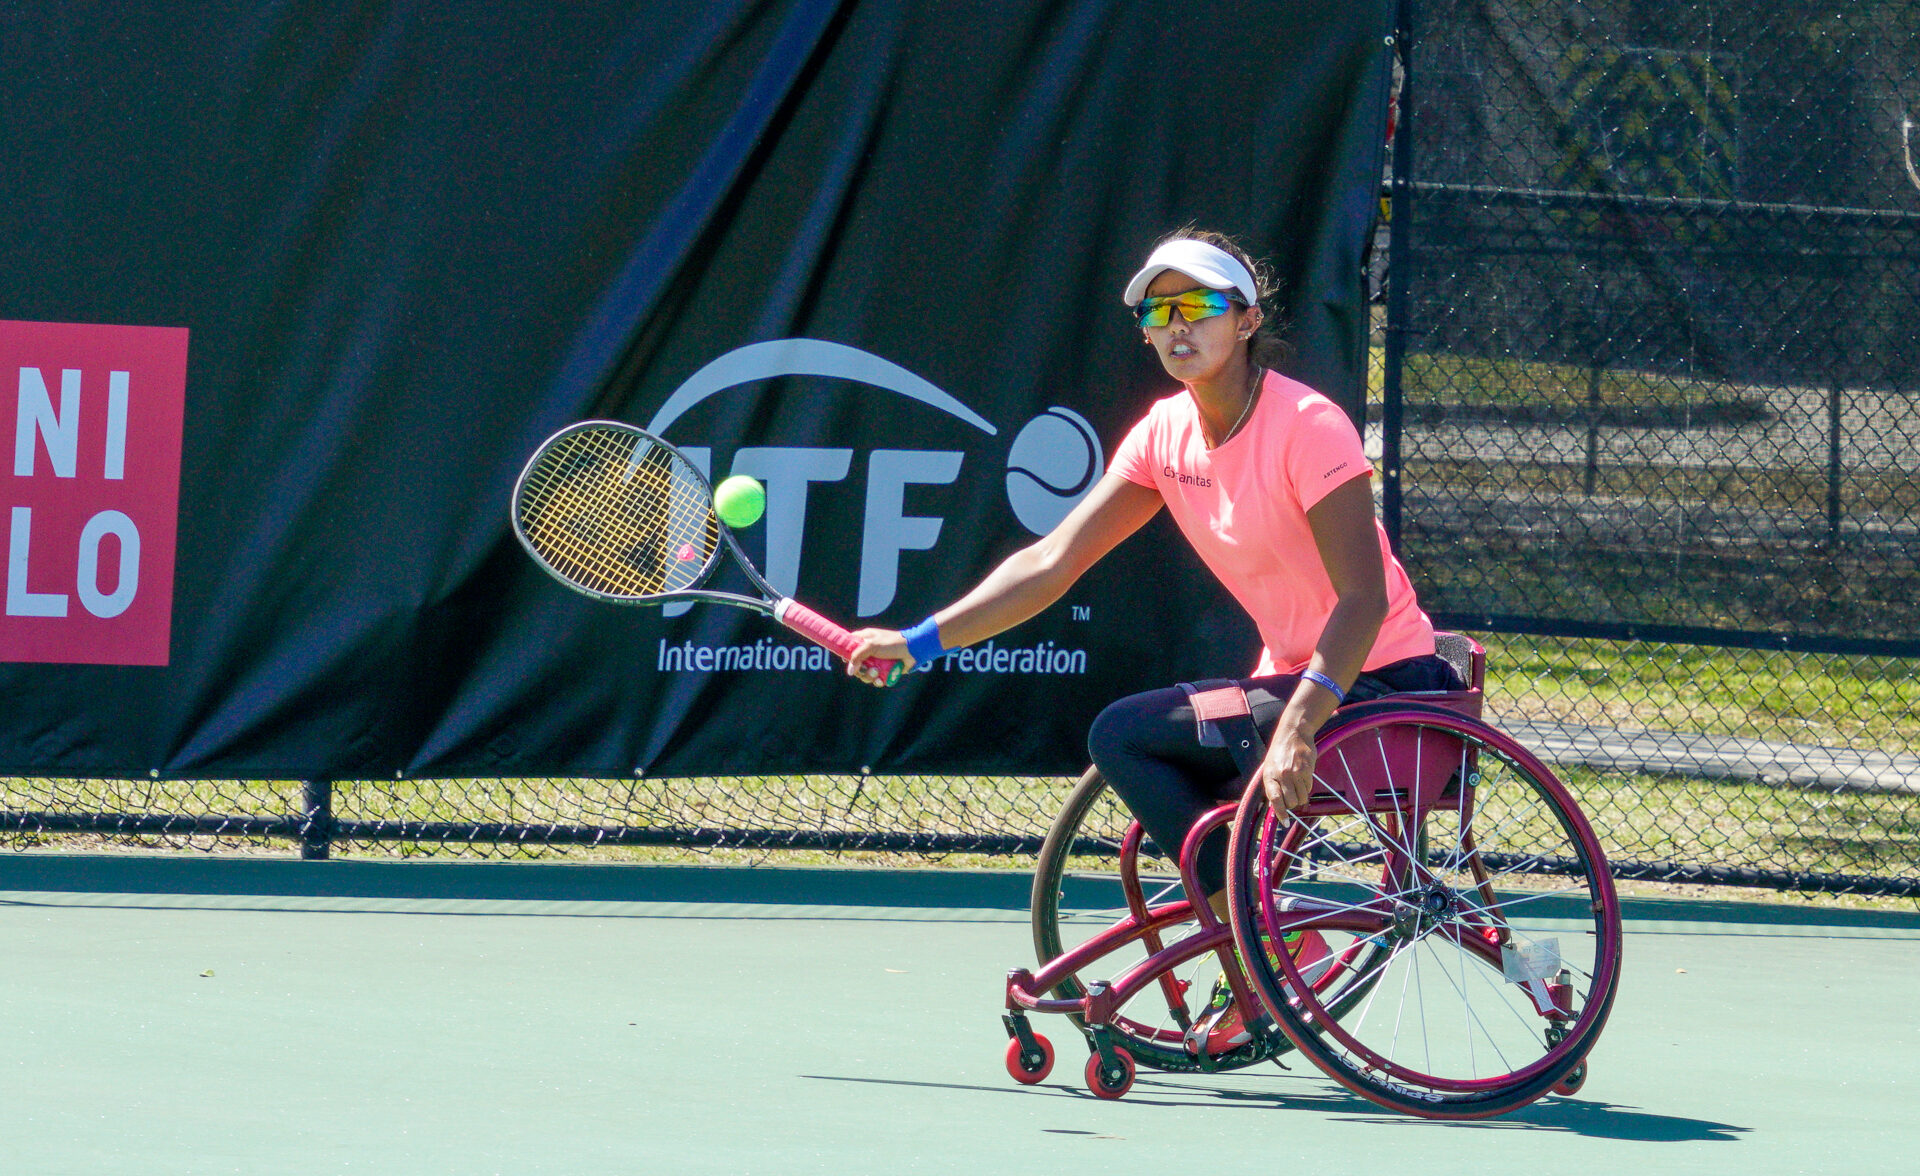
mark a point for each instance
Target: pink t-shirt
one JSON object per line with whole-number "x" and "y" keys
{"x": 1244, "y": 506}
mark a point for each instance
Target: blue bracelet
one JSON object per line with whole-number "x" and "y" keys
{"x": 1321, "y": 680}
{"x": 923, "y": 641}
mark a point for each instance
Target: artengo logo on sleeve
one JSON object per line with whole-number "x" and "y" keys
{"x": 1055, "y": 459}
{"x": 93, "y": 415}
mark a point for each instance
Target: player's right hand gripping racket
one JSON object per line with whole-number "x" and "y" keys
{"x": 617, "y": 514}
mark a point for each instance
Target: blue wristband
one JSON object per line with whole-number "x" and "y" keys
{"x": 923, "y": 641}
{"x": 1321, "y": 680}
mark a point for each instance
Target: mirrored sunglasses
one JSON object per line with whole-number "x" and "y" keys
{"x": 1193, "y": 305}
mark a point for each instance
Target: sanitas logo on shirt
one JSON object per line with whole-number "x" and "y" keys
{"x": 1184, "y": 479}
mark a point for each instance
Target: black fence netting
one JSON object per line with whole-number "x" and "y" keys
{"x": 1644, "y": 410}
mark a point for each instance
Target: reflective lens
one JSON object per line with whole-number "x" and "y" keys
{"x": 1194, "y": 305}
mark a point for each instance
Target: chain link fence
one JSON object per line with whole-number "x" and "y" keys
{"x": 916, "y": 817}
{"x": 1657, "y": 307}
{"x": 1648, "y": 411}
{"x": 1646, "y": 421}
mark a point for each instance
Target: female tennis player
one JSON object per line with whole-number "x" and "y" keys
{"x": 1267, "y": 479}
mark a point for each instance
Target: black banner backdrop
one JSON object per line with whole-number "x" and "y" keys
{"x": 869, "y": 251}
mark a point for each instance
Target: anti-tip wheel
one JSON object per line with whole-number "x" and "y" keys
{"x": 1575, "y": 1079}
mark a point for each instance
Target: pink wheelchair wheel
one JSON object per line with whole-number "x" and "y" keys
{"x": 1456, "y": 877}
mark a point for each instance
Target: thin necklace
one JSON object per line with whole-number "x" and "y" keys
{"x": 1253, "y": 392}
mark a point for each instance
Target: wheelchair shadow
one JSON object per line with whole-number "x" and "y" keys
{"x": 1598, "y": 1120}
{"x": 1603, "y": 1120}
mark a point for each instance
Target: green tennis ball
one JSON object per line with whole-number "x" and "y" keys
{"x": 739, "y": 501}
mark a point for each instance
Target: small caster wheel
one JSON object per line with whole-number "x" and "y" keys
{"x": 1575, "y": 1079}
{"x": 1029, "y": 1068}
{"x": 1110, "y": 1081}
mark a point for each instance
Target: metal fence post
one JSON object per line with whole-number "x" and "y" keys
{"x": 1399, "y": 241}
{"x": 1833, "y": 468}
{"x": 316, "y": 820}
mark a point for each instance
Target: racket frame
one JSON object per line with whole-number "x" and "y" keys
{"x": 772, "y": 602}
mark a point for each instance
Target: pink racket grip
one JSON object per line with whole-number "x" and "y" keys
{"x": 816, "y": 628}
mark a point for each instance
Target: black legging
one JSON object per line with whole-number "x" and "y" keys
{"x": 1147, "y": 747}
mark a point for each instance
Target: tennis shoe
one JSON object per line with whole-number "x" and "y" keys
{"x": 1220, "y": 1028}
{"x": 1309, "y": 951}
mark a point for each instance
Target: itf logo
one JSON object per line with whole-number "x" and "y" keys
{"x": 1054, "y": 461}
{"x": 94, "y": 417}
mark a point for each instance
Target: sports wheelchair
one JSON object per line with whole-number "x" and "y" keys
{"x": 1465, "y": 931}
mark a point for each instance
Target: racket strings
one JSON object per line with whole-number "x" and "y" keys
{"x": 618, "y": 515}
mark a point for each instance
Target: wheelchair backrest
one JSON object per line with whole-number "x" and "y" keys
{"x": 1469, "y": 660}
{"x": 1465, "y": 655}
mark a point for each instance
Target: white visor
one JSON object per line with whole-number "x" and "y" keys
{"x": 1209, "y": 265}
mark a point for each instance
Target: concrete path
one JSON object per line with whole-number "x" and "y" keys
{"x": 1723, "y": 757}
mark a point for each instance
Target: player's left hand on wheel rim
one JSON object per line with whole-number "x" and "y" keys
{"x": 1287, "y": 773}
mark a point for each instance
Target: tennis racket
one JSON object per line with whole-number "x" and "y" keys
{"x": 617, "y": 514}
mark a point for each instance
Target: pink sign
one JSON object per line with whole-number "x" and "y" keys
{"x": 90, "y": 420}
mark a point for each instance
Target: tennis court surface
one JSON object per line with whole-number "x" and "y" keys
{"x": 171, "y": 1015}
